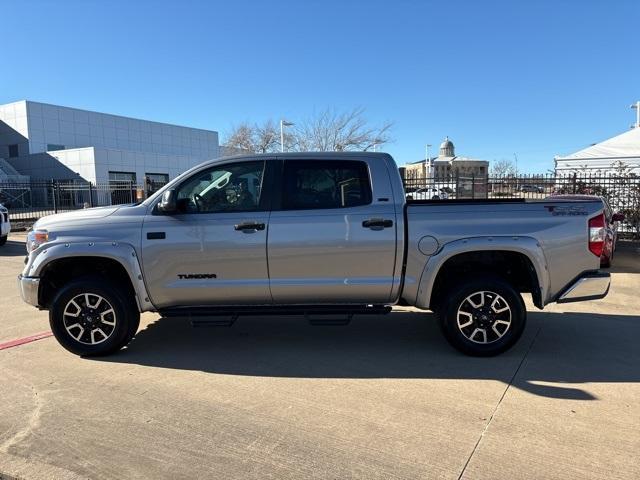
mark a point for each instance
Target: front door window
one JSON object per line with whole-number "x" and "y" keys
{"x": 228, "y": 188}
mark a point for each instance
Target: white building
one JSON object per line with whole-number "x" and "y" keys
{"x": 48, "y": 141}
{"x": 601, "y": 158}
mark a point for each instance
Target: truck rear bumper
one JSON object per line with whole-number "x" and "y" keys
{"x": 588, "y": 286}
{"x": 29, "y": 289}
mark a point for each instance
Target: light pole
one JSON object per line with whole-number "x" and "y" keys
{"x": 637, "y": 107}
{"x": 428, "y": 161}
{"x": 283, "y": 123}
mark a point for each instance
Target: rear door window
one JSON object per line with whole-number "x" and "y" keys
{"x": 311, "y": 185}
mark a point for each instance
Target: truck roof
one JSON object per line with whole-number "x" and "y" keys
{"x": 306, "y": 155}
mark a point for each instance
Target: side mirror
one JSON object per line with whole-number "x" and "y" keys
{"x": 168, "y": 203}
{"x": 617, "y": 217}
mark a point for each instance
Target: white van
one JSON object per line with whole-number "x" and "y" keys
{"x": 5, "y": 224}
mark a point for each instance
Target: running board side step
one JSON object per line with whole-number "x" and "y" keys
{"x": 198, "y": 315}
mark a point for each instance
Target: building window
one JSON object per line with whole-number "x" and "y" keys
{"x": 123, "y": 187}
{"x": 122, "y": 177}
{"x": 13, "y": 151}
{"x": 52, "y": 147}
{"x": 155, "y": 181}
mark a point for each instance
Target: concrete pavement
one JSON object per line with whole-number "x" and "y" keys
{"x": 384, "y": 397}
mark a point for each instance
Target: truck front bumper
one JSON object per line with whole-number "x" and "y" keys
{"x": 588, "y": 286}
{"x": 29, "y": 289}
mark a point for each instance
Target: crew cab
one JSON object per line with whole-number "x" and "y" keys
{"x": 318, "y": 234}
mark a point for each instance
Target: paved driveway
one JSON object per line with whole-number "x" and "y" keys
{"x": 384, "y": 397}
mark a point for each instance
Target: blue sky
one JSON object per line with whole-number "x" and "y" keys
{"x": 534, "y": 78}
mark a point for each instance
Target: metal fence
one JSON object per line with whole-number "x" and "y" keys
{"x": 621, "y": 191}
{"x": 30, "y": 201}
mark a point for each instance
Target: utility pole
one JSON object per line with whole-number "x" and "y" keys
{"x": 283, "y": 123}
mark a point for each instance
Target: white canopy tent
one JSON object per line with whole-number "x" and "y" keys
{"x": 601, "y": 157}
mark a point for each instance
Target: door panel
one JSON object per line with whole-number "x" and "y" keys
{"x": 318, "y": 256}
{"x": 206, "y": 244}
{"x": 212, "y": 250}
{"x": 319, "y": 251}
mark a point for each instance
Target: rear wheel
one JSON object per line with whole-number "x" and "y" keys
{"x": 483, "y": 316}
{"x": 90, "y": 317}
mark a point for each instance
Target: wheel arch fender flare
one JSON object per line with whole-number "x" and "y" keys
{"x": 120, "y": 252}
{"x": 527, "y": 246}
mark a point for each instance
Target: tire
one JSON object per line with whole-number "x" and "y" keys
{"x": 3, "y": 240}
{"x": 435, "y": 197}
{"x": 494, "y": 308}
{"x": 92, "y": 317}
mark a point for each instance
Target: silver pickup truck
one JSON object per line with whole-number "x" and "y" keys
{"x": 314, "y": 234}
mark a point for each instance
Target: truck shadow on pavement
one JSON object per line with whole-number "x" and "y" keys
{"x": 559, "y": 348}
{"x": 13, "y": 249}
{"x": 625, "y": 259}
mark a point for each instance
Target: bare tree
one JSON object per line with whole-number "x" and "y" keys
{"x": 327, "y": 131}
{"x": 340, "y": 131}
{"x": 267, "y": 137}
{"x": 240, "y": 138}
{"x": 503, "y": 168}
{"x": 254, "y": 138}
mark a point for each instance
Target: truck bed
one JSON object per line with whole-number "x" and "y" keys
{"x": 555, "y": 229}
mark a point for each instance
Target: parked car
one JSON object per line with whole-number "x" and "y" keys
{"x": 526, "y": 188}
{"x": 429, "y": 193}
{"x": 315, "y": 234}
{"x": 5, "y": 224}
{"x": 611, "y": 223}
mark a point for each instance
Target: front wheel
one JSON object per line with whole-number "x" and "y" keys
{"x": 483, "y": 316}
{"x": 91, "y": 317}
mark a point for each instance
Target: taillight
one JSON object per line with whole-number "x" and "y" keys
{"x": 596, "y": 235}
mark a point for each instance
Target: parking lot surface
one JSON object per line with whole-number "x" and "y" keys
{"x": 384, "y": 397}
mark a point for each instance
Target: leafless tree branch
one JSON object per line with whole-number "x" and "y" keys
{"x": 329, "y": 130}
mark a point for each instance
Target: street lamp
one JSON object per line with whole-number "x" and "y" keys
{"x": 283, "y": 123}
{"x": 428, "y": 161}
{"x": 637, "y": 107}
{"x": 427, "y": 153}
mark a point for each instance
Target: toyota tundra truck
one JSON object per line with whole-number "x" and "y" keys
{"x": 313, "y": 234}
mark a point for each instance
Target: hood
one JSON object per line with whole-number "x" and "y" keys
{"x": 83, "y": 215}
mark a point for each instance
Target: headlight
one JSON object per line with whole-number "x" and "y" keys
{"x": 35, "y": 238}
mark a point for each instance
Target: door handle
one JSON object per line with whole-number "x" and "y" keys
{"x": 249, "y": 226}
{"x": 377, "y": 223}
